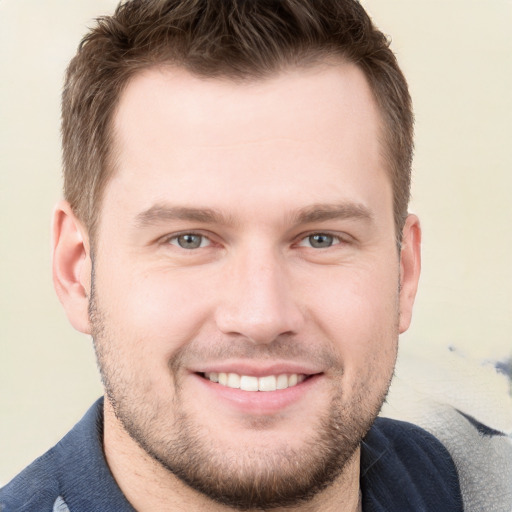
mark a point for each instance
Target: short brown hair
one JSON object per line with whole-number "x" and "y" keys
{"x": 241, "y": 39}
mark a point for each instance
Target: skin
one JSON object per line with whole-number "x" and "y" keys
{"x": 254, "y": 169}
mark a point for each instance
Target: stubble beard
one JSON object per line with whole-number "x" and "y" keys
{"x": 263, "y": 478}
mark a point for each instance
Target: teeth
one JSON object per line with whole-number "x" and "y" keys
{"x": 251, "y": 383}
{"x": 267, "y": 383}
{"x": 233, "y": 380}
{"x": 283, "y": 381}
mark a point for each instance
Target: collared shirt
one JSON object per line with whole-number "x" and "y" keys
{"x": 403, "y": 468}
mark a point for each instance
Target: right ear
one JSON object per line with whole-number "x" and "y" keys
{"x": 71, "y": 266}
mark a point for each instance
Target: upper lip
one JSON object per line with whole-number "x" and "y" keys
{"x": 255, "y": 369}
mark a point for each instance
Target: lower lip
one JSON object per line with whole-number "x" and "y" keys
{"x": 259, "y": 402}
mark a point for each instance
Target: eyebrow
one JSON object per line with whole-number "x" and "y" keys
{"x": 163, "y": 213}
{"x": 325, "y": 212}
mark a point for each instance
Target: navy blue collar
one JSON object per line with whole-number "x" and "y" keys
{"x": 402, "y": 468}
{"x": 86, "y": 482}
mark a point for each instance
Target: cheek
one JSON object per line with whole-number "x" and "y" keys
{"x": 154, "y": 314}
{"x": 358, "y": 311}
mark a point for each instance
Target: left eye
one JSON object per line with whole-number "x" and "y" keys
{"x": 319, "y": 241}
{"x": 190, "y": 241}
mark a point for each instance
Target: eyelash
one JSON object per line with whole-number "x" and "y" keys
{"x": 176, "y": 237}
{"x": 336, "y": 239}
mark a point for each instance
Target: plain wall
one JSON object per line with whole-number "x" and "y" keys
{"x": 457, "y": 57}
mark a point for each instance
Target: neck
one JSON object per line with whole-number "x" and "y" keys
{"x": 148, "y": 486}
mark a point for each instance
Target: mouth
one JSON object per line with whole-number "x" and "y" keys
{"x": 256, "y": 391}
{"x": 253, "y": 383}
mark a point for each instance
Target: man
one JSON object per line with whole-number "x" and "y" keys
{"x": 235, "y": 238}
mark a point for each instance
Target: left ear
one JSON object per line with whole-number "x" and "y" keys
{"x": 410, "y": 266}
{"x": 72, "y": 266}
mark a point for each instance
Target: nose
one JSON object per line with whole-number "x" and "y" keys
{"x": 257, "y": 299}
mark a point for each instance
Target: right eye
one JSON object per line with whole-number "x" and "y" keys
{"x": 320, "y": 241}
{"x": 190, "y": 241}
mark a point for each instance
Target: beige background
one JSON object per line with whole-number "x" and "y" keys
{"x": 457, "y": 55}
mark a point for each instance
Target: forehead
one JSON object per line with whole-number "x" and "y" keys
{"x": 306, "y": 127}
{"x": 190, "y": 107}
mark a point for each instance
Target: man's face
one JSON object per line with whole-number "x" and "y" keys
{"x": 247, "y": 237}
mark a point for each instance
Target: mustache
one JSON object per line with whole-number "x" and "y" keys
{"x": 285, "y": 347}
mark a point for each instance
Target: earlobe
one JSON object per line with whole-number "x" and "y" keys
{"x": 410, "y": 267}
{"x": 71, "y": 265}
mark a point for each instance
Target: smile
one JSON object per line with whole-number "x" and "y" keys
{"x": 251, "y": 383}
